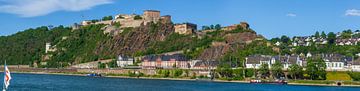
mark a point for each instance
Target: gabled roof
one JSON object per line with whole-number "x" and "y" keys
{"x": 125, "y": 58}
{"x": 356, "y": 62}
{"x": 255, "y": 59}
{"x": 150, "y": 57}
{"x": 207, "y": 63}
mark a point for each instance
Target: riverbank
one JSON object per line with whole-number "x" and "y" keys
{"x": 291, "y": 82}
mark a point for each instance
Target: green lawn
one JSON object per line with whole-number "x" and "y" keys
{"x": 312, "y": 81}
{"x": 342, "y": 76}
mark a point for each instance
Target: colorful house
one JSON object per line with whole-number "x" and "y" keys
{"x": 165, "y": 62}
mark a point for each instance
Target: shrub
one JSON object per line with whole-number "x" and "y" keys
{"x": 355, "y": 75}
{"x": 131, "y": 74}
{"x": 178, "y": 72}
{"x": 137, "y": 17}
{"x": 249, "y": 72}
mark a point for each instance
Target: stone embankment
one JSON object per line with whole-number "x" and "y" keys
{"x": 86, "y": 70}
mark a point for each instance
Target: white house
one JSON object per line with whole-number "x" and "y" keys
{"x": 124, "y": 61}
{"x": 255, "y": 61}
{"x": 337, "y": 62}
{"x": 334, "y": 64}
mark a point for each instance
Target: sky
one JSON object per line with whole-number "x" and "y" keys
{"x": 270, "y": 18}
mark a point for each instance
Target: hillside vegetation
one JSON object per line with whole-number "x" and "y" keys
{"x": 90, "y": 43}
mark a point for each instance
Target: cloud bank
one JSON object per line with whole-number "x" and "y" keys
{"x": 352, "y": 12}
{"x": 33, "y": 8}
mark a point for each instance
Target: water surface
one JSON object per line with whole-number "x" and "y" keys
{"x": 37, "y": 82}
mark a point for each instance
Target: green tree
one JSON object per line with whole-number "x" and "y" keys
{"x": 316, "y": 69}
{"x": 285, "y": 39}
{"x": 317, "y": 34}
{"x": 323, "y": 34}
{"x": 296, "y": 71}
{"x": 137, "y": 17}
{"x": 101, "y": 65}
{"x": 249, "y": 72}
{"x": 276, "y": 69}
{"x": 346, "y": 34}
{"x": 166, "y": 73}
{"x": 331, "y": 37}
{"x": 205, "y": 28}
{"x": 225, "y": 72}
{"x": 178, "y": 72}
{"x": 112, "y": 64}
{"x": 212, "y": 27}
{"x": 239, "y": 74}
{"x": 355, "y": 75}
{"x": 105, "y": 18}
{"x": 274, "y": 40}
{"x": 217, "y": 27}
{"x": 264, "y": 71}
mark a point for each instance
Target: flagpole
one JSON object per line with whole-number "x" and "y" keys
{"x": 4, "y": 89}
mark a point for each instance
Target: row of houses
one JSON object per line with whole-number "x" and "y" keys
{"x": 167, "y": 61}
{"x": 310, "y": 40}
{"x": 334, "y": 62}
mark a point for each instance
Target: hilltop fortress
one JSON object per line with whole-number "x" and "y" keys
{"x": 133, "y": 20}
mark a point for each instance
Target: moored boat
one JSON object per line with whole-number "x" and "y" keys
{"x": 94, "y": 75}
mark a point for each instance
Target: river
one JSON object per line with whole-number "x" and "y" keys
{"x": 39, "y": 82}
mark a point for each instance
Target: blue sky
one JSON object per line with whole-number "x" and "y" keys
{"x": 271, "y": 18}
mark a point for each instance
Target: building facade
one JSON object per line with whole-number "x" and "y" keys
{"x": 124, "y": 61}
{"x": 185, "y": 28}
{"x": 165, "y": 61}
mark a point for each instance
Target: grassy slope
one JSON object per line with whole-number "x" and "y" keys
{"x": 343, "y": 76}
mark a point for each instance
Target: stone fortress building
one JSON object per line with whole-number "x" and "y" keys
{"x": 185, "y": 28}
{"x": 134, "y": 20}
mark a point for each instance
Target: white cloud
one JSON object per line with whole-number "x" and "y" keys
{"x": 352, "y": 12}
{"x": 291, "y": 15}
{"x": 33, "y": 8}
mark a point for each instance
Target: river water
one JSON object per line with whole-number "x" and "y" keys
{"x": 37, "y": 82}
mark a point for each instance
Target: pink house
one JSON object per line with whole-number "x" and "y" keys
{"x": 165, "y": 61}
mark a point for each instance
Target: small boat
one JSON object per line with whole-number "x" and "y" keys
{"x": 94, "y": 75}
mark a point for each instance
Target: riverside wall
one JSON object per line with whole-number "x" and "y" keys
{"x": 102, "y": 71}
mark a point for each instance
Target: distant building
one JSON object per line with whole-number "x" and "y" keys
{"x": 243, "y": 25}
{"x": 336, "y": 62}
{"x": 165, "y": 61}
{"x": 203, "y": 65}
{"x": 166, "y": 19}
{"x": 185, "y": 28}
{"x": 84, "y": 23}
{"x": 355, "y": 66}
{"x": 151, "y": 15}
{"x": 49, "y": 48}
{"x": 126, "y": 20}
{"x": 124, "y": 61}
{"x": 255, "y": 61}
{"x": 76, "y": 26}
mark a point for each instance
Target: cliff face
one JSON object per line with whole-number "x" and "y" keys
{"x": 132, "y": 40}
{"x": 89, "y": 43}
{"x": 233, "y": 42}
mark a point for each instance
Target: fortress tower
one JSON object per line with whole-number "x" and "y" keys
{"x": 151, "y": 15}
{"x": 166, "y": 19}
